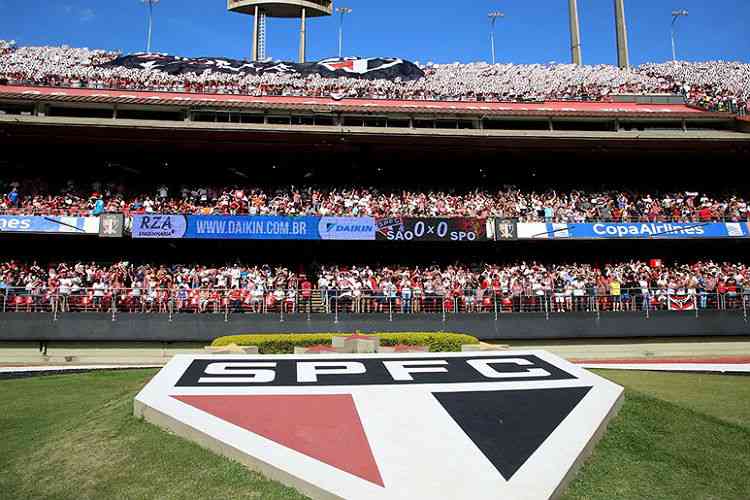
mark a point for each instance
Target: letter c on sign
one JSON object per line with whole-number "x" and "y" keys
{"x": 483, "y": 367}
{"x": 256, "y": 376}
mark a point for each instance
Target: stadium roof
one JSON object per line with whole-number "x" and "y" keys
{"x": 369, "y": 106}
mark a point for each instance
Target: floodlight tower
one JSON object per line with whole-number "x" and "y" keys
{"x": 342, "y": 11}
{"x": 676, "y": 14}
{"x": 260, "y": 9}
{"x": 150, "y": 4}
{"x": 493, "y": 17}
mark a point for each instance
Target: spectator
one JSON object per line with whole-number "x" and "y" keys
{"x": 715, "y": 85}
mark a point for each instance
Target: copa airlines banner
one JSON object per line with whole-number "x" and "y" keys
{"x": 374, "y": 68}
{"x": 48, "y": 224}
{"x": 239, "y": 227}
{"x": 650, "y": 230}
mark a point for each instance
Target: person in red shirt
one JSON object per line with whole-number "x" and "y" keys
{"x": 305, "y": 294}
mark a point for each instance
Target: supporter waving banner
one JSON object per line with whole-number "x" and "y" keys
{"x": 373, "y": 68}
{"x": 681, "y": 302}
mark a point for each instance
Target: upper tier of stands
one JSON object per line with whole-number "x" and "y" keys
{"x": 713, "y": 85}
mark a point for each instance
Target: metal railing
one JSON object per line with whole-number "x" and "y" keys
{"x": 640, "y": 219}
{"x": 337, "y": 302}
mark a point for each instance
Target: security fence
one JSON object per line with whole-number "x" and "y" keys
{"x": 336, "y": 303}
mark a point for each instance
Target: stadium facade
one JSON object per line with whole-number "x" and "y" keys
{"x": 639, "y": 141}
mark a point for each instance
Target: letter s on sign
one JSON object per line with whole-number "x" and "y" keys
{"x": 257, "y": 376}
{"x": 483, "y": 367}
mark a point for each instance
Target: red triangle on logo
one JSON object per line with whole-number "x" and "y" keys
{"x": 325, "y": 427}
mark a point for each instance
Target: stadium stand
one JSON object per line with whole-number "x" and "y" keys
{"x": 29, "y": 197}
{"x": 517, "y": 287}
{"x": 713, "y": 85}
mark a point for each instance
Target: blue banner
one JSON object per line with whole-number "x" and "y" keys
{"x": 48, "y": 224}
{"x": 237, "y": 227}
{"x": 245, "y": 227}
{"x": 650, "y": 230}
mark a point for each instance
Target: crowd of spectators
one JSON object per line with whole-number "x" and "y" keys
{"x": 717, "y": 85}
{"x": 513, "y": 287}
{"x": 35, "y": 197}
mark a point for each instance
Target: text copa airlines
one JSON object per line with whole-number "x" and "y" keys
{"x": 621, "y": 230}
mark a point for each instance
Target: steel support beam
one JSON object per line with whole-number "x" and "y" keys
{"x": 575, "y": 33}
{"x": 623, "y": 57}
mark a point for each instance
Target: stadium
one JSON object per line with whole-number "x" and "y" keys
{"x": 159, "y": 213}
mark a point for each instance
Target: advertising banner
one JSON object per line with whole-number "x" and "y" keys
{"x": 635, "y": 230}
{"x": 245, "y": 227}
{"x": 158, "y": 226}
{"x": 346, "y": 228}
{"x": 238, "y": 227}
{"x": 48, "y": 224}
{"x": 431, "y": 229}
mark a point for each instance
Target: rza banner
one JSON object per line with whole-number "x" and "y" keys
{"x": 375, "y": 68}
{"x": 431, "y": 229}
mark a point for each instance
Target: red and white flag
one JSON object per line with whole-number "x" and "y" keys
{"x": 681, "y": 302}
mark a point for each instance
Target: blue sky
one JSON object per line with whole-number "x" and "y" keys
{"x": 438, "y": 31}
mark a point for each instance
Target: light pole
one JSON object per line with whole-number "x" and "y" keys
{"x": 343, "y": 11}
{"x": 676, "y": 14}
{"x": 150, "y": 4}
{"x": 493, "y": 16}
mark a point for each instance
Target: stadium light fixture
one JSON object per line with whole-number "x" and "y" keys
{"x": 493, "y": 17}
{"x": 150, "y": 4}
{"x": 676, "y": 14}
{"x": 342, "y": 11}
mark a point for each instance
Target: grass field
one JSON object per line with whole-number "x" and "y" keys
{"x": 678, "y": 436}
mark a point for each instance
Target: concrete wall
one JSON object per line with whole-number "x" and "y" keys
{"x": 205, "y": 327}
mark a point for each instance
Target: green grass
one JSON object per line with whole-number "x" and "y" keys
{"x": 668, "y": 448}
{"x": 74, "y": 437}
{"x": 678, "y": 436}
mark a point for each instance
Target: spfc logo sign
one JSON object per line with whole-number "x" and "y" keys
{"x": 511, "y": 425}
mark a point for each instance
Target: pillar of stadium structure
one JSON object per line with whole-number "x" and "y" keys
{"x": 259, "y": 34}
{"x": 302, "y": 40}
{"x": 623, "y": 57}
{"x": 575, "y": 33}
{"x": 255, "y": 34}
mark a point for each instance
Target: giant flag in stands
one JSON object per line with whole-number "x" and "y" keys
{"x": 375, "y": 68}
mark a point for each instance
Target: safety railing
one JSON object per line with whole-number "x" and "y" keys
{"x": 338, "y": 303}
{"x": 645, "y": 219}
